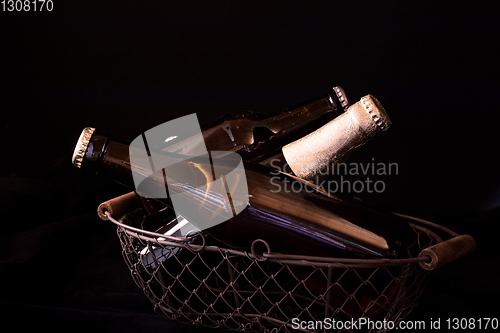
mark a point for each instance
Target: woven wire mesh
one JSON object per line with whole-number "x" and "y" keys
{"x": 195, "y": 282}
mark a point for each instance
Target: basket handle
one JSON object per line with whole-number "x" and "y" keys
{"x": 448, "y": 251}
{"x": 118, "y": 206}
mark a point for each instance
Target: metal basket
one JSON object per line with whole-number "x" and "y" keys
{"x": 195, "y": 282}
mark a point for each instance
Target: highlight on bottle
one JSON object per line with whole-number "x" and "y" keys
{"x": 341, "y": 177}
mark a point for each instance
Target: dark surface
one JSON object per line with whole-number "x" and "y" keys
{"x": 125, "y": 67}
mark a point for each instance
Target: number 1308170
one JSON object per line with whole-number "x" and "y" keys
{"x": 27, "y": 5}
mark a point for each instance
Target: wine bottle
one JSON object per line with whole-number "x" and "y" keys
{"x": 302, "y": 220}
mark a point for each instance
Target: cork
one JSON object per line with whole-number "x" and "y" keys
{"x": 333, "y": 142}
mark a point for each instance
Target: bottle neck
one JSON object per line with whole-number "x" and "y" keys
{"x": 256, "y": 136}
{"x": 293, "y": 117}
{"x": 290, "y": 125}
{"x": 109, "y": 158}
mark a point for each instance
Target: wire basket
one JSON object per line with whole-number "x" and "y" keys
{"x": 194, "y": 280}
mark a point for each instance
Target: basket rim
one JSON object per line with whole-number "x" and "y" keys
{"x": 301, "y": 260}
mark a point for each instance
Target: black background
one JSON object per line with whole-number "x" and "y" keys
{"x": 124, "y": 67}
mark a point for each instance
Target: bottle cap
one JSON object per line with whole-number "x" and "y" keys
{"x": 370, "y": 115}
{"x": 339, "y": 91}
{"x": 81, "y": 146}
{"x": 336, "y": 140}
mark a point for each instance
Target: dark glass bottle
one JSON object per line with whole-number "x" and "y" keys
{"x": 291, "y": 215}
{"x": 255, "y": 136}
